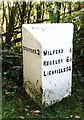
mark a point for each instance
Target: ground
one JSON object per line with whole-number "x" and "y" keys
{"x": 17, "y": 104}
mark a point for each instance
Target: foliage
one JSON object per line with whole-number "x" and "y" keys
{"x": 16, "y": 103}
{"x": 12, "y": 64}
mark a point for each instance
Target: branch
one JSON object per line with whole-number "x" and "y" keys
{"x": 40, "y": 21}
{"x": 4, "y": 34}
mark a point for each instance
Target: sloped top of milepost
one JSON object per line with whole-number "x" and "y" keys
{"x": 57, "y": 32}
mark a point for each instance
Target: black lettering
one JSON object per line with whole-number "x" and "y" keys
{"x": 38, "y": 51}
{"x": 55, "y": 71}
{"x": 44, "y": 63}
{"x": 56, "y": 51}
{"x": 31, "y": 50}
{"x": 35, "y": 51}
{"x": 52, "y": 72}
{"x": 58, "y": 71}
{"x": 47, "y": 63}
{"x": 59, "y": 61}
{"x": 53, "y": 62}
{"x": 50, "y": 53}
{"x": 61, "y": 71}
{"x": 61, "y": 50}
{"x": 67, "y": 59}
{"x": 66, "y": 68}
{"x": 70, "y": 49}
{"x": 44, "y": 73}
{"x": 45, "y": 52}
{"x": 53, "y": 52}
{"x": 50, "y": 62}
{"x": 49, "y": 72}
{"x": 26, "y": 49}
{"x": 70, "y": 68}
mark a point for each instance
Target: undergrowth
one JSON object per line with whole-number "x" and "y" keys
{"x": 17, "y": 103}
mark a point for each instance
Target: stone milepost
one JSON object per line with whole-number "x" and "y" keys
{"x": 47, "y": 61}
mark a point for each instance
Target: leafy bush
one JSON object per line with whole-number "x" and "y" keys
{"x": 12, "y": 64}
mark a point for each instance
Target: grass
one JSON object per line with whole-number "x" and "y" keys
{"x": 17, "y": 104}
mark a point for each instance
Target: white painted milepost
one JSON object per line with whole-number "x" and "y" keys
{"x": 47, "y": 61}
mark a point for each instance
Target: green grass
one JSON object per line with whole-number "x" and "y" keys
{"x": 0, "y": 99}
{"x": 17, "y": 104}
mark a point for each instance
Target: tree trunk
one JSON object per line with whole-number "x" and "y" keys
{"x": 29, "y": 12}
{"x": 58, "y": 11}
{"x": 69, "y": 8}
{"x": 23, "y": 12}
{"x": 43, "y": 10}
{"x": 38, "y": 12}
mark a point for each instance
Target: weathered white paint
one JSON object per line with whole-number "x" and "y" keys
{"x": 47, "y": 47}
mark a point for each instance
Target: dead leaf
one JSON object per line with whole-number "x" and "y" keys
{"x": 36, "y": 111}
{"x": 71, "y": 116}
{"x": 76, "y": 116}
{"x": 22, "y": 117}
{"x": 26, "y": 109}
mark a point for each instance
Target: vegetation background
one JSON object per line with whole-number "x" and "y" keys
{"x": 15, "y": 102}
